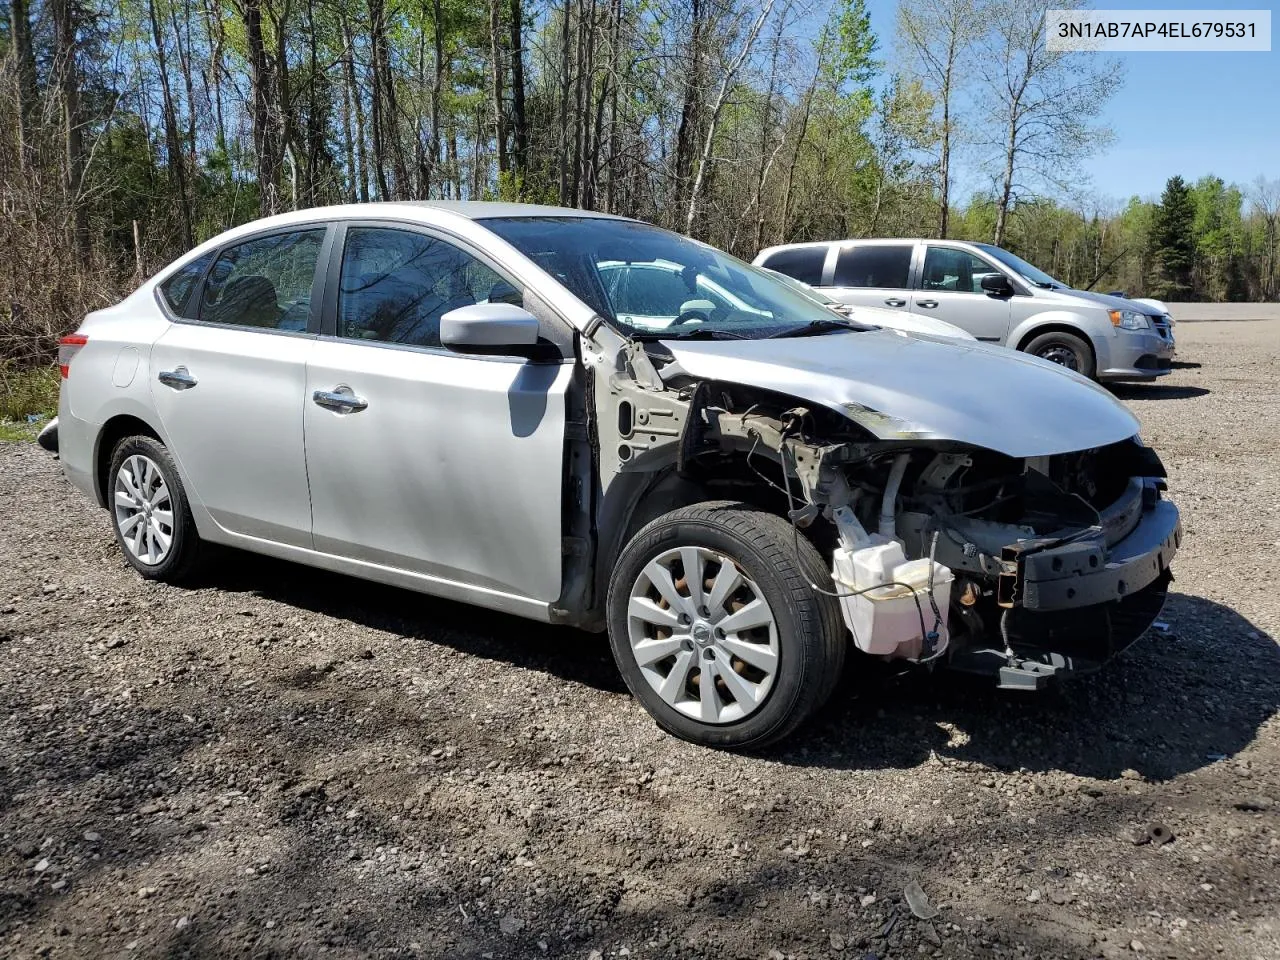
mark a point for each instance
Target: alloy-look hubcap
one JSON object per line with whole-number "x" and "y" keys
{"x": 703, "y": 635}
{"x": 143, "y": 510}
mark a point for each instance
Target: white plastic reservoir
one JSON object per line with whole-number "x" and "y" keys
{"x": 886, "y": 621}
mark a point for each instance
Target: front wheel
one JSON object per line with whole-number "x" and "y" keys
{"x": 716, "y": 629}
{"x": 1064, "y": 349}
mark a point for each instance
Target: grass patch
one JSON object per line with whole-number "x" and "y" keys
{"x": 24, "y": 394}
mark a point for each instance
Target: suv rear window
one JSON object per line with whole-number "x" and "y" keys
{"x": 874, "y": 265}
{"x": 800, "y": 263}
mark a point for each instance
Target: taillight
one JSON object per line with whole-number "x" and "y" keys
{"x": 68, "y": 347}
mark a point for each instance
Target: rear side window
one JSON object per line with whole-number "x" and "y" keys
{"x": 800, "y": 263}
{"x": 177, "y": 289}
{"x": 397, "y": 284}
{"x": 877, "y": 265}
{"x": 264, "y": 282}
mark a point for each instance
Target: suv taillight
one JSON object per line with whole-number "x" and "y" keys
{"x": 68, "y": 347}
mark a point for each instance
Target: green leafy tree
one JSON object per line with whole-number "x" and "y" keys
{"x": 1173, "y": 241}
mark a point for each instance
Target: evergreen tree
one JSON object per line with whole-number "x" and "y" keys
{"x": 1173, "y": 241}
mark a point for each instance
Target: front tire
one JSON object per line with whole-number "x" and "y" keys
{"x": 742, "y": 652}
{"x": 1064, "y": 349}
{"x": 149, "y": 510}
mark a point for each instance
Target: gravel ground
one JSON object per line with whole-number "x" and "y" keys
{"x": 280, "y": 762}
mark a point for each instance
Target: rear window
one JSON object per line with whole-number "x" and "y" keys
{"x": 177, "y": 289}
{"x": 877, "y": 265}
{"x": 800, "y": 263}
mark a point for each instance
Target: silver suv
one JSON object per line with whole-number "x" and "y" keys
{"x": 993, "y": 295}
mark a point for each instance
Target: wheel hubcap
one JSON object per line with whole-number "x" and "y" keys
{"x": 1065, "y": 356}
{"x": 143, "y": 510}
{"x": 703, "y": 635}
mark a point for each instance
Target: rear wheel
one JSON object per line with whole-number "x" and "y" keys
{"x": 716, "y": 629}
{"x": 149, "y": 510}
{"x": 1064, "y": 349}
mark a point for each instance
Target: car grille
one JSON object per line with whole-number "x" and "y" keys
{"x": 1163, "y": 326}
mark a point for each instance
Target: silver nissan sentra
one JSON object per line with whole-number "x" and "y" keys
{"x": 509, "y": 406}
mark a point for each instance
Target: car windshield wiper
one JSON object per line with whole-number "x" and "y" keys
{"x": 694, "y": 333}
{"x": 819, "y": 326}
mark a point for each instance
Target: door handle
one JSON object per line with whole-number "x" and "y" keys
{"x": 179, "y": 378}
{"x": 927, "y": 304}
{"x": 341, "y": 399}
{"x": 896, "y": 302}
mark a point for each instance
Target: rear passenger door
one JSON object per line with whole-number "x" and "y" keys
{"x": 951, "y": 290}
{"x": 873, "y": 275}
{"x": 228, "y": 378}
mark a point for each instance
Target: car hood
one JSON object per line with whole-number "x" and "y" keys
{"x": 919, "y": 387}
{"x": 1110, "y": 302}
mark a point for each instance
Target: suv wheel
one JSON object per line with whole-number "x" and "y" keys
{"x": 1065, "y": 349}
{"x": 716, "y": 629}
{"x": 149, "y": 510}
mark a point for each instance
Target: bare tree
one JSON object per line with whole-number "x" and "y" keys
{"x": 937, "y": 38}
{"x": 1264, "y": 196}
{"x": 1046, "y": 102}
{"x": 717, "y": 106}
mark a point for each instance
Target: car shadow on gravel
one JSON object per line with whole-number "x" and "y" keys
{"x": 1174, "y": 702}
{"x": 1157, "y": 391}
{"x": 572, "y": 655}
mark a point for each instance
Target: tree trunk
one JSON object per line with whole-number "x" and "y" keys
{"x": 437, "y": 85}
{"x": 687, "y": 130}
{"x": 267, "y": 145}
{"x": 65, "y": 19}
{"x": 24, "y": 55}
{"x": 360, "y": 170}
{"x": 1006, "y": 185}
{"x": 497, "y": 73}
{"x": 565, "y": 79}
{"x": 611, "y": 194}
{"x": 520, "y": 117}
{"x": 173, "y": 144}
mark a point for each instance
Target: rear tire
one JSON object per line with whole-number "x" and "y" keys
{"x": 1064, "y": 349}
{"x": 149, "y": 511}
{"x": 772, "y": 646}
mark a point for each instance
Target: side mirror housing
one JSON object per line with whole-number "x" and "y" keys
{"x": 489, "y": 327}
{"x": 997, "y": 284}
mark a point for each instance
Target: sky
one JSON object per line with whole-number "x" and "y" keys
{"x": 1177, "y": 113}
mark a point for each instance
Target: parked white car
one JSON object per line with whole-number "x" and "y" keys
{"x": 878, "y": 316}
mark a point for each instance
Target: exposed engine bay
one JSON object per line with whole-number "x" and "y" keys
{"x": 941, "y": 552}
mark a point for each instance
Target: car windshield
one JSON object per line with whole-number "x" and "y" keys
{"x": 1020, "y": 266}
{"x": 652, "y": 282}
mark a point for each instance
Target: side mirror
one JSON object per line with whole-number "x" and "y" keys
{"x": 997, "y": 284}
{"x": 490, "y": 327}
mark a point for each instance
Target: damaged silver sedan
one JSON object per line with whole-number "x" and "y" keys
{"x": 588, "y": 420}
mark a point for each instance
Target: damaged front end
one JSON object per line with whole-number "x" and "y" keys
{"x": 942, "y": 548}
{"x": 1026, "y": 568}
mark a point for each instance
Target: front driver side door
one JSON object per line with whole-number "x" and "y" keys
{"x": 951, "y": 290}
{"x": 446, "y": 466}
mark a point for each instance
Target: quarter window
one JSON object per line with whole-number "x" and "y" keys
{"x": 799, "y": 263}
{"x": 397, "y": 284}
{"x": 177, "y": 289}
{"x": 954, "y": 270}
{"x": 885, "y": 265}
{"x": 264, "y": 282}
